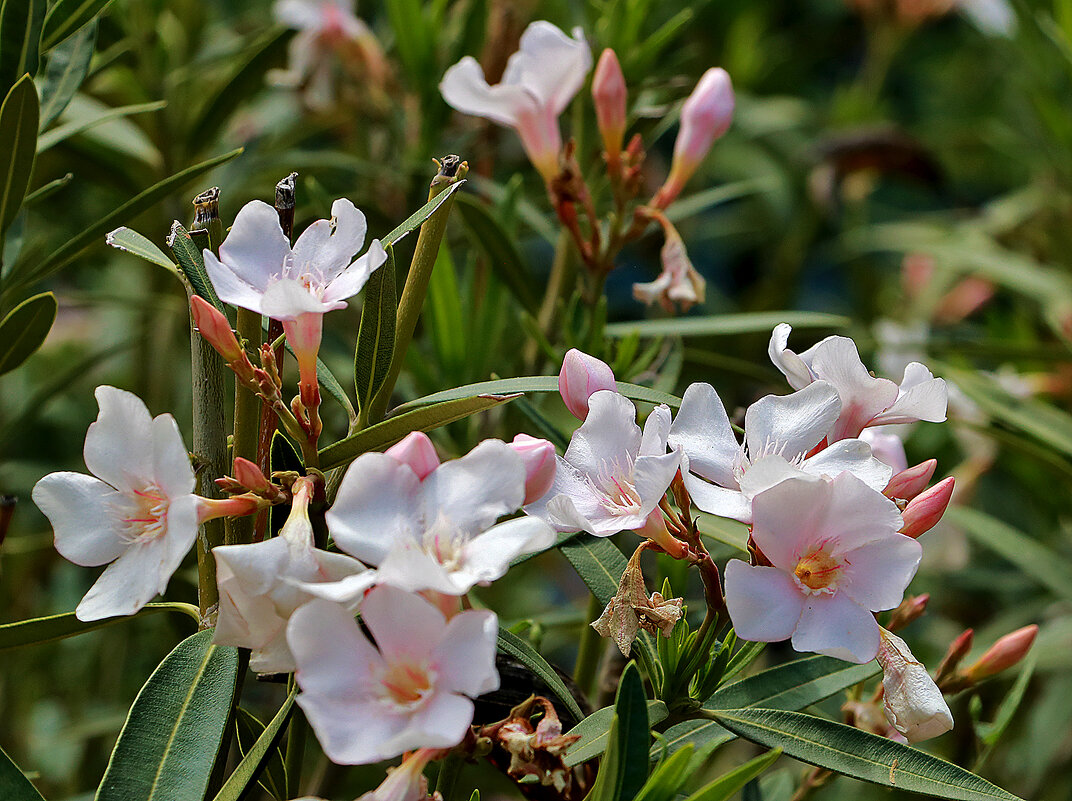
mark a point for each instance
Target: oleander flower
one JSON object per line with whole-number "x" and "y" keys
{"x": 913, "y": 704}
{"x": 261, "y": 585}
{"x": 865, "y": 400}
{"x": 539, "y": 82}
{"x": 137, "y": 511}
{"x": 791, "y": 426}
{"x": 835, "y": 557}
{"x": 412, "y": 689}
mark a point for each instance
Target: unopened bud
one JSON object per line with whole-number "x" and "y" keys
{"x": 706, "y": 115}
{"x": 609, "y": 93}
{"x": 910, "y": 482}
{"x": 250, "y": 476}
{"x": 909, "y": 609}
{"x": 416, "y": 451}
{"x": 912, "y": 701}
{"x": 1003, "y": 654}
{"x": 538, "y": 456}
{"x": 958, "y": 649}
{"x": 926, "y": 509}
{"x": 580, "y": 377}
{"x": 214, "y": 327}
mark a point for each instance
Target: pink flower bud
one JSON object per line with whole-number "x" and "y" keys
{"x": 910, "y": 609}
{"x": 214, "y": 327}
{"x": 926, "y": 509}
{"x": 417, "y": 451}
{"x": 609, "y": 93}
{"x": 250, "y": 476}
{"x": 1003, "y": 654}
{"x": 958, "y": 649}
{"x": 538, "y": 456}
{"x": 910, "y": 482}
{"x": 706, "y": 115}
{"x": 580, "y": 377}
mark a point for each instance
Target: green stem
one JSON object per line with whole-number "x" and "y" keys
{"x": 247, "y": 418}
{"x": 590, "y": 648}
{"x": 555, "y": 283}
{"x": 420, "y": 273}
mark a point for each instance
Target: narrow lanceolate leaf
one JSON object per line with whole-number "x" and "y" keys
{"x": 50, "y": 139}
{"x": 132, "y": 242}
{"x": 14, "y": 786}
{"x": 18, "y": 142}
{"x": 512, "y": 645}
{"x": 595, "y": 728}
{"x": 57, "y": 627}
{"x": 625, "y": 766}
{"x": 535, "y": 383}
{"x": 168, "y": 745}
{"x": 393, "y": 429}
{"x": 414, "y": 221}
{"x": 20, "y": 38}
{"x": 66, "y": 17}
{"x": 376, "y": 336}
{"x": 668, "y": 778}
{"x": 24, "y": 330}
{"x": 859, "y": 754}
{"x": 726, "y": 324}
{"x": 257, "y": 755}
{"x": 500, "y": 251}
{"x": 729, "y": 783}
{"x": 191, "y": 262}
{"x": 64, "y": 73}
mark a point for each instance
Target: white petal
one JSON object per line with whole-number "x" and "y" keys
{"x": 119, "y": 443}
{"x": 568, "y": 482}
{"x": 180, "y": 535}
{"x": 835, "y": 626}
{"x": 789, "y": 517}
{"x": 791, "y": 425}
{"x": 488, "y": 555}
{"x": 376, "y": 504}
{"x": 656, "y": 431}
{"x": 856, "y": 514}
{"x": 347, "y": 591}
{"x": 127, "y": 584}
{"x": 862, "y": 395}
{"x": 716, "y": 500}
{"x": 352, "y": 279}
{"x": 407, "y": 628}
{"x": 702, "y": 430}
{"x": 465, "y": 659}
{"x": 551, "y": 65}
{"x": 791, "y": 365}
{"x": 83, "y": 517}
{"x": 888, "y": 448}
{"x": 172, "y": 471}
{"x": 476, "y": 490}
{"x": 229, "y": 287}
{"x": 408, "y": 567}
{"x": 289, "y": 298}
{"x": 877, "y": 574}
{"x": 440, "y": 723}
{"x": 327, "y": 246}
{"x": 921, "y": 397}
{"x": 255, "y": 248}
{"x": 764, "y": 603}
{"x": 652, "y": 476}
{"x": 608, "y": 436}
{"x": 912, "y": 701}
{"x": 245, "y": 575}
{"x": 852, "y": 456}
{"x": 465, "y": 89}
{"x": 352, "y": 731}
{"x": 301, "y": 14}
{"x": 766, "y": 473}
{"x": 335, "y": 660}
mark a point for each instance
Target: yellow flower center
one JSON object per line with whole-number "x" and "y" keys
{"x": 145, "y": 514}
{"x": 405, "y": 685}
{"x": 818, "y": 571}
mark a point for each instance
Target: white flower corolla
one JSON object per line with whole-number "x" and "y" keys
{"x": 912, "y": 701}
{"x": 438, "y": 532}
{"x": 835, "y": 558}
{"x": 865, "y": 400}
{"x": 260, "y": 585}
{"x": 790, "y": 426}
{"x": 678, "y": 285}
{"x": 139, "y": 513}
{"x": 412, "y": 689}
{"x": 539, "y": 82}
{"x": 613, "y": 475}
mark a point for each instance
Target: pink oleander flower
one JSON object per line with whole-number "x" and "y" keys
{"x": 260, "y": 585}
{"x": 437, "y": 533}
{"x": 836, "y": 557}
{"x": 865, "y": 400}
{"x": 714, "y": 466}
{"x": 137, "y": 511}
{"x": 678, "y": 285}
{"x": 539, "y": 82}
{"x": 913, "y": 704}
{"x": 407, "y": 782}
{"x": 580, "y": 377}
{"x": 412, "y": 689}
{"x": 613, "y": 475}
{"x": 538, "y": 456}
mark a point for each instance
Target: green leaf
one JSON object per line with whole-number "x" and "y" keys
{"x": 24, "y": 330}
{"x": 18, "y": 140}
{"x": 376, "y": 335}
{"x": 20, "y": 39}
{"x": 67, "y": 68}
{"x": 499, "y": 249}
{"x": 413, "y": 37}
{"x": 146, "y": 199}
{"x": 668, "y": 778}
{"x": 414, "y": 221}
{"x": 191, "y": 263}
{"x": 625, "y": 766}
{"x": 595, "y": 729}
{"x": 14, "y": 786}
{"x": 132, "y": 242}
{"x": 729, "y": 783}
{"x": 58, "y": 627}
{"x": 168, "y": 745}
{"x": 257, "y": 756}
{"x": 726, "y": 324}
{"x": 444, "y": 316}
{"x": 50, "y": 139}
{"x": 1041, "y": 563}
{"x": 859, "y": 754}
{"x": 707, "y": 199}
{"x": 395, "y": 428}
{"x": 46, "y": 190}
{"x": 66, "y": 17}
{"x": 514, "y": 646}
{"x": 536, "y": 383}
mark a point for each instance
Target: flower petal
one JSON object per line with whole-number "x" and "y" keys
{"x": 229, "y": 287}
{"x": 327, "y": 246}
{"x": 921, "y": 396}
{"x": 834, "y": 625}
{"x": 862, "y": 395}
{"x": 464, "y": 88}
{"x": 335, "y": 660}
{"x": 789, "y": 517}
{"x": 794, "y": 368}
{"x": 255, "y": 248}
{"x": 791, "y": 425}
{"x": 877, "y": 574}
{"x": 440, "y": 723}
{"x": 172, "y": 471}
{"x": 476, "y": 490}
{"x": 608, "y": 436}
{"x": 407, "y": 628}
{"x": 465, "y": 659}
{"x": 127, "y": 584}
{"x": 852, "y": 456}
{"x": 376, "y": 503}
{"x": 353, "y": 278}
{"x": 702, "y": 430}
{"x": 652, "y": 476}
{"x": 656, "y": 431}
{"x": 550, "y": 64}
{"x": 119, "y": 443}
{"x": 488, "y": 555}
{"x": 289, "y": 298}
{"x": 764, "y": 603}
{"x": 856, "y": 514}
{"x": 83, "y": 517}
{"x": 717, "y": 500}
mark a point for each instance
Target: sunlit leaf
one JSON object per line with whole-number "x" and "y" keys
{"x": 414, "y": 221}
{"x": 51, "y": 138}
{"x": 726, "y": 324}
{"x": 57, "y": 627}
{"x": 132, "y": 242}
